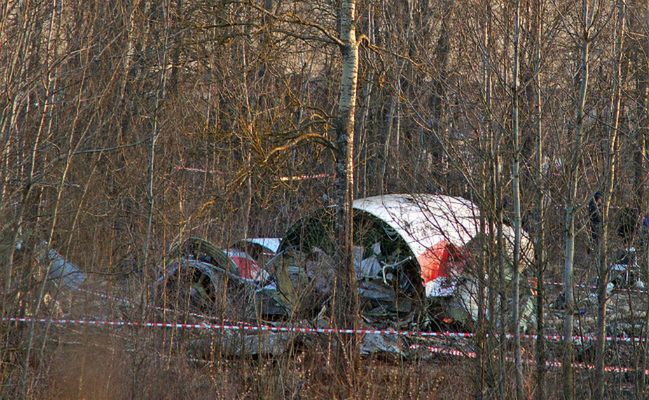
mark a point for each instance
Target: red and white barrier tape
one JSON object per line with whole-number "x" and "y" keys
{"x": 303, "y": 177}
{"x": 244, "y": 326}
{"x": 118, "y": 323}
{"x": 577, "y": 285}
{"x": 552, "y": 364}
{"x": 592, "y": 287}
{"x": 281, "y": 178}
{"x": 552, "y": 338}
{"x": 432, "y": 349}
{"x": 192, "y": 169}
{"x": 236, "y": 327}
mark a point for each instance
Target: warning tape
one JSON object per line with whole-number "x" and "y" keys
{"x": 591, "y": 287}
{"x": 303, "y": 177}
{"x": 244, "y": 326}
{"x": 432, "y": 349}
{"x": 552, "y": 364}
{"x": 118, "y": 323}
{"x": 230, "y": 325}
{"x": 236, "y": 327}
{"x": 577, "y": 285}
{"x": 192, "y": 169}
{"x": 455, "y": 335}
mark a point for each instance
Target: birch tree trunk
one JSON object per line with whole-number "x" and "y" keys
{"x": 539, "y": 243}
{"x": 344, "y": 303}
{"x": 485, "y": 334}
{"x": 362, "y": 126}
{"x": 151, "y": 170}
{"x": 609, "y": 179}
{"x": 53, "y": 33}
{"x": 14, "y": 73}
{"x": 569, "y": 221}
{"x": 516, "y": 197}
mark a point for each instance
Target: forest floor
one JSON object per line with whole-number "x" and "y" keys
{"x": 135, "y": 362}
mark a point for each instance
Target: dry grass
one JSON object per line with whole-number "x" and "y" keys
{"x": 103, "y": 364}
{"x": 155, "y": 363}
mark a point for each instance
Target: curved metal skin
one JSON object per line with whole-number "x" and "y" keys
{"x": 435, "y": 229}
{"x": 434, "y": 226}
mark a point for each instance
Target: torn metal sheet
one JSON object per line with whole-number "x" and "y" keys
{"x": 261, "y": 250}
{"x": 441, "y": 287}
{"x": 375, "y": 344}
{"x": 424, "y": 220}
{"x": 369, "y": 268}
{"x": 235, "y": 344}
{"x": 463, "y": 306}
{"x": 320, "y": 270}
{"x": 63, "y": 272}
{"x": 269, "y": 244}
{"x": 272, "y": 344}
{"x": 247, "y": 267}
{"x": 233, "y": 261}
{"x": 203, "y": 277}
{"x": 271, "y": 302}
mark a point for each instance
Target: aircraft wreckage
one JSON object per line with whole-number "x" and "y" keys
{"x": 414, "y": 262}
{"x": 415, "y": 258}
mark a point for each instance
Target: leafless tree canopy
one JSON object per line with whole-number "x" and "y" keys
{"x": 128, "y": 126}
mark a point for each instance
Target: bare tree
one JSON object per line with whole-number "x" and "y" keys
{"x": 571, "y": 202}
{"x": 516, "y": 198}
{"x": 609, "y": 180}
{"x": 539, "y": 243}
{"x": 344, "y": 301}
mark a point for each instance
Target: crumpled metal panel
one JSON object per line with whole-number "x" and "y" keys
{"x": 271, "y": 244}
{"x": 373, "y": 344}
{"x": 64, "y": 272}
{"x": 424, "y": 221}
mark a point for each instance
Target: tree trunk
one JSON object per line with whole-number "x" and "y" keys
{"x": 642, "y": 96}
{"x": 609, "y": 179}
{"x": 386, "y": 143}
{"x": 569, "y": 221}
{"x": 151, "y": 170}
{"x": 539, "y": 243}
{"x": 53, "y": 30}
{"x": 642, "y": 70}
{"x": 344, "y": 302}
{"x": 516, "y": 197}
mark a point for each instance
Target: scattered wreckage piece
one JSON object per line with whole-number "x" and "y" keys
{"x": 626, "y": 297}
{"x": 236, "y": 344}
{"x": 55, "y": 272}
{"x": 274, "y": 344}
{"x": 261, "y": 249}
{"x": 625, "y": 270}
{"x": 63, "y": 272}
{"x": 373, "y": 343}
{"x": 200, "y": 276}
{"x": 232, "y": 261}
{"x": 60, "y": 271}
